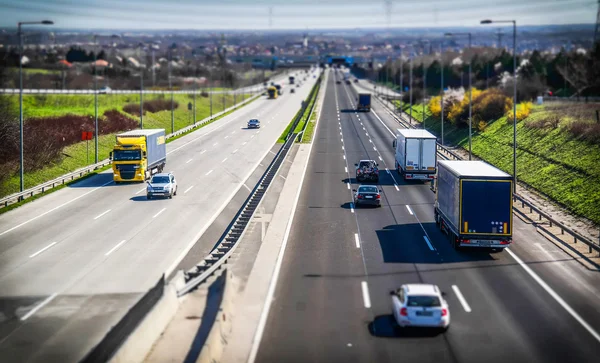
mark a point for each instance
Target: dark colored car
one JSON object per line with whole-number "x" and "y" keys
{"x": 367, "y": 195}
{"x": 254, "y": 124}
{"x": 366, "y": 170}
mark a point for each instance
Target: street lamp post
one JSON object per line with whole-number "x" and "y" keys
{"x": 424, "y": 83}
{"x": 514, "y": 23}
{"x": 410, "y": 86}
{"x": 401, "y": 79}
{"x": 442, "y": 86}
{"x": 20, "y": 33}
{"x": 470, "y": 94}
{"x": 141, "y": 98}
{"x": 171, "y": 89}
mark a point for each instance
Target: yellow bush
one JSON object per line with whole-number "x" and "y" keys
{"x": 490, "y": 105}
{"x": 481, "y": 126}
{"x": 435, "y": 106}
{"x": 459, "y": 112}
{"x": 523, "y": 111}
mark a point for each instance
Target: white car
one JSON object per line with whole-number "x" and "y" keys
{"x": 420, "y": 305}
{"x": 163, "y": 185}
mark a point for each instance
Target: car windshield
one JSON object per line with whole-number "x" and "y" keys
{"x": 365, "y": 164}
{"x": 126, "y": 155}
{"x": 423, "y": 301}
{"x": 253, "y": 121}
{"x": 160, "y": 179}
{"x": 367, "y": 190}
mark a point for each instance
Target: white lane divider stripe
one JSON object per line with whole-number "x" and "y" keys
{"x": 202, "y": 152}
{"x": 215, "y": 144}
{"x": 428, "y": 243}
{"x": 396, "y": 186}
{"x": 344, "y": 156}
{"x": 224, "y": 160}
{"x": 115, "y": 248}
{"x": 234, "y": 151}
{"x": 281, "y": 176}
{"x": 387, "y": 170}
{"x": 555, "y": 296}
{"x": 34, "y": 310}
{"x": 53, "y": 209}
{"x": 208, "y": 172}
{"x": 356, "y": 240}
{"x": 365, "y": 293}
{"x": 409, "y": 210}
{"x": 346, "y": 169}
{"x": 42, "y": 250}
{"x": 187, "y": 162}
{"x": 226, "y": 136}
{"x": 159, "y": 212}
{"x": 139, "y": 191}
{"x": 461, "y": 298}
{"x": 244, "y": 143}
{"x": 348, "y": 185}
{"x": 188, "y": 189}
{"x": 352, "y": 207}
{"x": 103, "y": 213}
{"x": 380, "y": 158}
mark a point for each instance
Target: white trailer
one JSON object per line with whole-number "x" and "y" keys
{"x": 416, "y": 156}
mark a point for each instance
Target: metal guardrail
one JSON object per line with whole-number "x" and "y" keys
{"x": 41, "y": 188}
{"x": 227, "y": 245}
{"x": 448, "y": 154}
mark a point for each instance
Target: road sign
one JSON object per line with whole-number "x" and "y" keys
{"x": 87, "y": 135}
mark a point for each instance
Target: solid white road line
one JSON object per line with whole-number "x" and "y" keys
{"x": 34, "y": 310}
{"x": 224, "y": 160}
{"x": 53, "y": 209}
{"x": 396, "y": 186}
{"x": 189, "y": 161}
{"x": 208, "y": 172}
{"x": 365, "y": 293}
{"x": 356, "y": 240}
{"x": 351, "y": 207}
{"x": 428, "y": 243}
{"x": 116, "y": 247}
{"x": 101, "y": 214}
{"x": 409, "y": 210}
{"x": 461, "y": 298}
{"x": 42, "y": 250}
{"x": 202, "y": 152}
{"x": 188, "y": 189}
{"x": 555, "y": 296}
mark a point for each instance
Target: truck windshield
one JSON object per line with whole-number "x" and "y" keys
{"x": 126, "y": 155}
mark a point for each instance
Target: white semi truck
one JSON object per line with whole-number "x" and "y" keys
{"x": 416, "y": 156}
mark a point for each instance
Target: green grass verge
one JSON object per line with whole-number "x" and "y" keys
{"x": 310, "y": 128}
{"x": 76, "y": 156}
{"x": 550, "y": 160}
{"x": 312, "y": 98}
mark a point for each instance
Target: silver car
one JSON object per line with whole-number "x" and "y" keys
{"x": 163, "y": 185}
{"x": 420, "y": 305}
{"x": 254, "y": 124}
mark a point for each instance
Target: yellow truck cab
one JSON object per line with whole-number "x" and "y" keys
{"x": 138, "y": 154}
{"x": 272, "y": 92}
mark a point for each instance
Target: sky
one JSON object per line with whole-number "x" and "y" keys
{"x": 291, "y": 14}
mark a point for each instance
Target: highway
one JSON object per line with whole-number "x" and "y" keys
{"x": 531, "y": 303}
{"x": 73, "y": 262}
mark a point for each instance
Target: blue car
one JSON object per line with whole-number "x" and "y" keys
{"x": 254, "y": 124}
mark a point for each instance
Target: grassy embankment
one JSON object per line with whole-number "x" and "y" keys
{"x": 549, "y": 158}
{"x": 76, "y": 155}
{"x": 311, "y": 100}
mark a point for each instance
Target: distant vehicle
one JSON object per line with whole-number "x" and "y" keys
{"x": 366, "y": 170}
{"x": 272, "y": 92}
{"x": 279, "y": 89}
{"x": 364, "y": 102}
{"x": 162, "y": 184}
{"x": 104, "y": 89}
{"x": 473, "y": 204}
{"x": 265, "y": 84}
{"x": 348, "y": 81}
{"x": 338, "y": 82}
{"x": 416, "y": 154}
{"x": 291, "y": 79}
{"x": 420, "y": 305}
{"x": 355, "y": 80}
{"x": 254, "y": 124}
{"x": 138, "y": 154}
{"x": 292, "y": 91}
{"x": 367, "y": 195}
{"x": 298, "y": 85}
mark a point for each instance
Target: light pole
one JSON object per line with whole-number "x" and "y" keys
{"x": 470, "y": 93}
{"x": 141, "y": 98}
{"x": 401, "y": 78}
{"x": 410, "y": 86}
{"x": 95, "y": 101}
{"x": 424, "y": 83}
{"x": 171, "y": 89}
{"x": 514, "y": 23}
{"x": 442, "y": 86}
{"x": 20, "y": 33}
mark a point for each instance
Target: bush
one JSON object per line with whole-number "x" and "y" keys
{"x": 585, "y": 131}
{"x": 459, "y": 112}
{"x": 491, "y": 104}
{"x": 417, "y": 96}
{"x": 150, "y": 106}
{"x": 481, "y": 125}
{"x": 435, "y": 106}
{"x": 548, "y": 121}
{"x": 523, "y": 111}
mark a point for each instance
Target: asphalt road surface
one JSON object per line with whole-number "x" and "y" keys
{"x": 73, "y": 262}
{"x": 531, "y": 303}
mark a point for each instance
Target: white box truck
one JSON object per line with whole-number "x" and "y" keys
{"x": 416, "y": 156}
